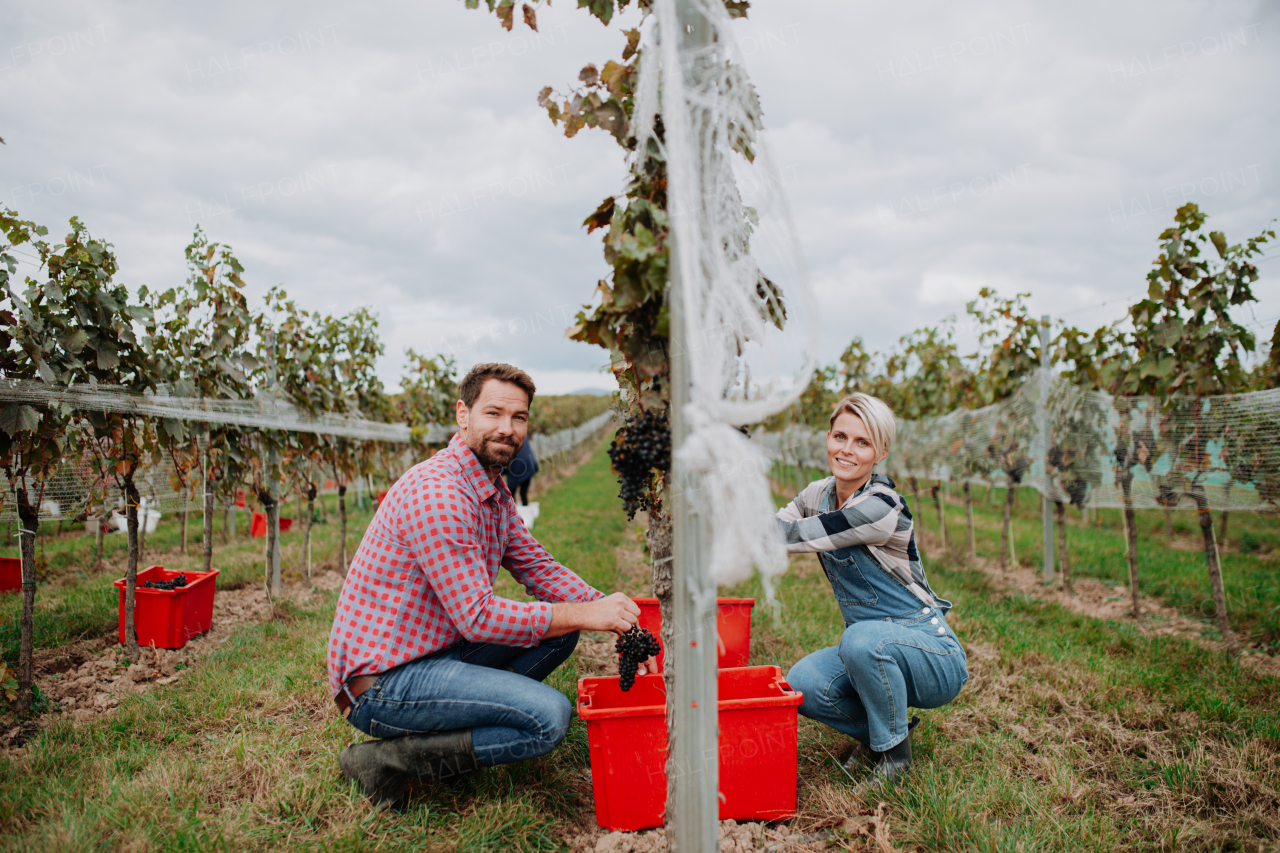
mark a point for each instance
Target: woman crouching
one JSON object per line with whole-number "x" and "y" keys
{"x": 897, "y": 649}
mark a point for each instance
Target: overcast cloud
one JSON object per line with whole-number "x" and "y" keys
{"x": 393, "y": 154}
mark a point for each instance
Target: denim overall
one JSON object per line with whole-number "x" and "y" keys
{"x": 896, "y": 651}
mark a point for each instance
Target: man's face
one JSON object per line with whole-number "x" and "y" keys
{"x": 494, "y": 428}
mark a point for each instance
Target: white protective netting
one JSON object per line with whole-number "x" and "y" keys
{"x": 166, "y": 487}
{"x": 735, "y": 249}
{"x": 1080, "y": 446}
{"x": 265, "y": 411}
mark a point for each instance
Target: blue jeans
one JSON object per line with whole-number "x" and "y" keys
{"x": 494, "y": 690}
{"x": 863, "y": 686}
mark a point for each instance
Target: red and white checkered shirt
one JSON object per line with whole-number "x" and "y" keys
{"x": 423, "y": 575}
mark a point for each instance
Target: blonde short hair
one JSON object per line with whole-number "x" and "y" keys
{"x": 877, "y": 416}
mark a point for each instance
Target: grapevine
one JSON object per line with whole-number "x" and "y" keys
{"x": 636, "y": 646}
{"x": 640, "y": 447}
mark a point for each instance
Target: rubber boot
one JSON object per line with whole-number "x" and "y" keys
{"x": 384, "y": 767}
{"x": 891, "y": 765}
{"x": 863, "y": 754}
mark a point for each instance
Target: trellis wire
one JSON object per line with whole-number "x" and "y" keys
{"x": 265, "y": 411}
{"x": 74, "y": 485}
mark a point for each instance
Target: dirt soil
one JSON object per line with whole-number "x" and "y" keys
{"x": 88, "y": 678}
{"x": 596, "y": 655}
{"x": 734, "y": 838}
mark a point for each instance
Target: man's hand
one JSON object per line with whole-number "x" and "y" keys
{"x": 649, "y": 666}
{"x": 616, "y": 613}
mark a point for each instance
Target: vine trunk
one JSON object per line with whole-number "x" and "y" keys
{"x": 208, "y": 514}
{"x": 942, "y": 518}
{"x": 968, "y": 522}
{"x": 1131, "y": 541}
{"x": 660, "y": 540}
{"x": 342, "y": 517}
{"x": 1064, "y": 563}
{"x": 1006, "y": 531}
{"x": 131, "y": 501}
{"x": 28, "y": 523}
{"x": 1215, "y": 569}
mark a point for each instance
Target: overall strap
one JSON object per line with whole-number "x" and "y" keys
{"x": 904, "y": 578}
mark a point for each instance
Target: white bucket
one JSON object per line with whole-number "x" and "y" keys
{"x": 528, "y": 514}
{"x": 147, "y": 521}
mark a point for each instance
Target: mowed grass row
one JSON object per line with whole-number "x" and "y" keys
{"x": 241, "y": 754}
{"x": 75, "y": 600}
{"x": 1072, "y": 734}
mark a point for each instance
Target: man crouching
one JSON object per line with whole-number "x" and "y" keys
{"x": 422, "y": 654}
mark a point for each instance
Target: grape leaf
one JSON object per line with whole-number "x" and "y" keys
{"x": 16, "y": 418}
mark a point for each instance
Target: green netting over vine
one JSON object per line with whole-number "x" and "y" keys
{"x": 1089, "y": 448}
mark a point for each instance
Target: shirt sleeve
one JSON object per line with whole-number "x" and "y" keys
{"x": 444, "y": 537}
{"x": 803, "y": 504}
{"x": 792, "y": 511}
{"x": 870, "y": 519}
{"x": 538, "y": 572}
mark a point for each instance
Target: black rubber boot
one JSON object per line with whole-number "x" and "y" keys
{"x": 384, "y": 767}
{"x": 863, "y": 754}
{"x": 891, "y": 765}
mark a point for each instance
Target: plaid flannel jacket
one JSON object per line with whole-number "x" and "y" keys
{"x": 875, "y": 516}
{"x": 422, "y": 578}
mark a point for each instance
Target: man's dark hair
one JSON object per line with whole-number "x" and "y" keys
{"x": 469, "y": 389}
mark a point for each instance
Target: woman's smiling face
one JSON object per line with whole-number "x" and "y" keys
{"x": 851, "y": 455}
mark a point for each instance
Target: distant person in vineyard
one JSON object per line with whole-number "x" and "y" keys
{"x": 520, "y": 472}
{"x": 897, "y": 649}
{"x": 422, "y": 653}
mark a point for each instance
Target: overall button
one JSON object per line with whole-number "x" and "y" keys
{"x": 926, "y": 611}
{"x": 942, "y": 630}
{"x": 933, "y": 621}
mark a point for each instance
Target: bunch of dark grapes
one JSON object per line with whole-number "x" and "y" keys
{"x": 180, "y": 580}
{"x": 643, "y": 444}
{"x": 636, "y": 646}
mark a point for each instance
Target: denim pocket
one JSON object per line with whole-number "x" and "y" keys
{"x": 848, "y": 582}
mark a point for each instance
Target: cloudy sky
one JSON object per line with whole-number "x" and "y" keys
{"x": 392, "y": 154}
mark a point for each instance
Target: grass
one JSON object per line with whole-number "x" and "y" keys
{"x": 1072, "y": 734}
{"x": 1176, "y": 575}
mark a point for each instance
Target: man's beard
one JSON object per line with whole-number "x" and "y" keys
{"x": 493, "y": 453}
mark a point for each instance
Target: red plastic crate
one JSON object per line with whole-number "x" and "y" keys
{"x": 258, "y": 526}
{"x": 168, "y": 618}
{"x": 733, "y": 628}
{"x": 627, "y": 740}
{"x": 10, "y": 574}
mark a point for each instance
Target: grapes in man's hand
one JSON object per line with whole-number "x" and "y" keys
{"x": 636, "y": 646}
